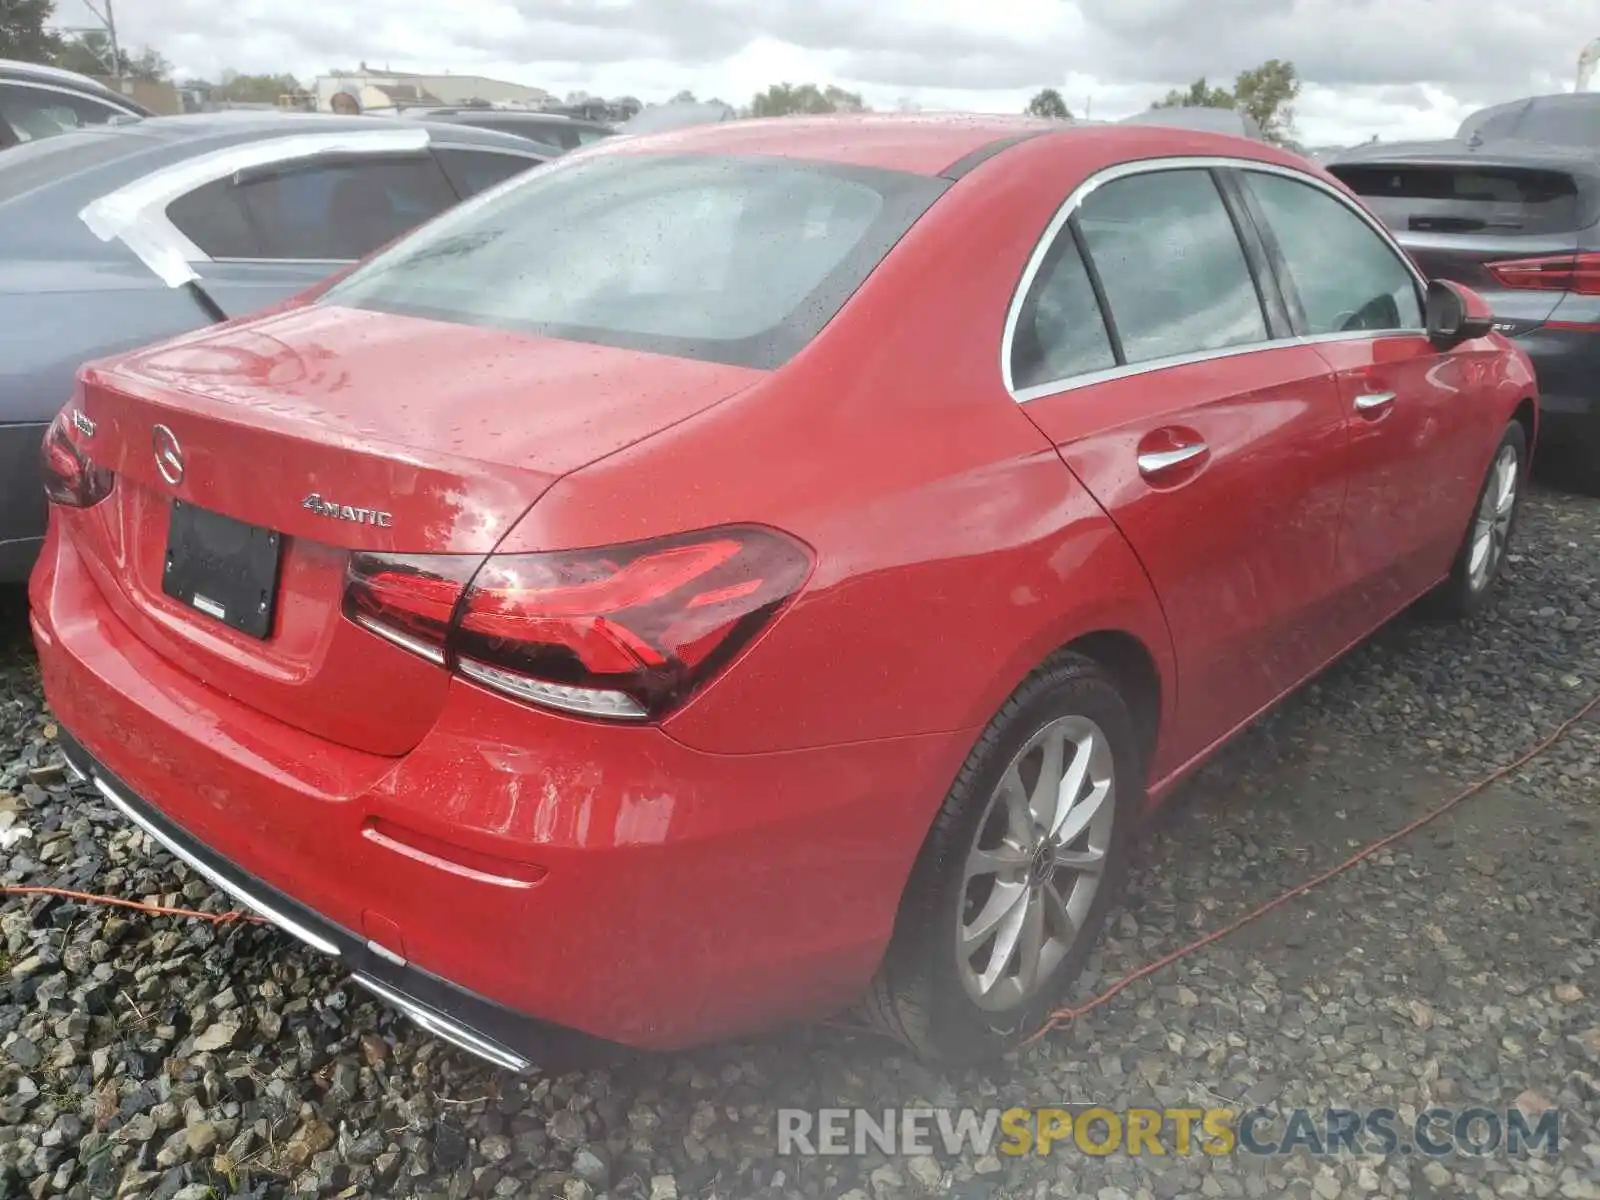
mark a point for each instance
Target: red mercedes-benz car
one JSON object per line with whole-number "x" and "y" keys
{"x": 734, "y": 571}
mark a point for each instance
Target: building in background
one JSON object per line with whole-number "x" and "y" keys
{"x": 390, "y": 89}
{"x": 159, "y": 97}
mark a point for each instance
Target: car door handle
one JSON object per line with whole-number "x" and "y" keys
{"x": 1158, "y": 462}
{"x": 1374, "y": 402}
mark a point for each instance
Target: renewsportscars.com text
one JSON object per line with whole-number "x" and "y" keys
{"x": 1097, "y": 1130}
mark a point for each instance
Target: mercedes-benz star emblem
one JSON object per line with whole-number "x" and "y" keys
{"x": 169, "y": 455}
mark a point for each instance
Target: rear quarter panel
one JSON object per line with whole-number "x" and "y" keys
{"x": 954, "y": 549}
{"x": 53, "y": 318}
{"x": 56, "y": 316}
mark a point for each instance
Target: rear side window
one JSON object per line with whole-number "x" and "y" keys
{"x": 1347, "y": 277}
{"x": 474, "y": 171}
{"x": 1428, "y": 198}
{"x": 1171, "y": 264}
{"x": 564, "y": 136}
{"x": 213, "y": 218}
{"x": 344, "y": 210}
{"x": 37, "y": 112}
{"x": 738, "y": 260}
{"x": 1060, "y": 330}
{"x": 328, "y": 211}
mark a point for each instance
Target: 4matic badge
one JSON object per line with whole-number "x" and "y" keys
{"x": 346, "y": 512}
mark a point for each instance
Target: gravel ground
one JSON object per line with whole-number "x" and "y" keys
{"x": 147, "y": 1056}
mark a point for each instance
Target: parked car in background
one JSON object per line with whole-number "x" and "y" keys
{"x": 121, "y": 235}
{"x": 1213, "y": 120}
{"x": 546, "y": 129}
{"x": 1563, "y": 119}
{"x": 38, "y": 102}
{"x": 785, "y": 558}
{"x": 1519, "y": 221}
{"x": 676, "y": 114}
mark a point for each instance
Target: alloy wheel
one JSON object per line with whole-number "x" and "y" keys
{"x": 1491, "y": 528}
{"x": 1036, "y": 863}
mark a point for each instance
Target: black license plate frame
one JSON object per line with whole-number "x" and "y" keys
{"x": 226, "y": 569}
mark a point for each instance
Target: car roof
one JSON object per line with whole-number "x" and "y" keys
{"x": 1512, "y": 115}
{"x": 1215, "y": 120}
{"x": 1503, "y": 152}
{"x": 13, "y": 70}
{"x": 248, "y": 124}
{"x": 519, "y": 114}
{"x": 932, "y": 144}
{"x": 44, "y": 184}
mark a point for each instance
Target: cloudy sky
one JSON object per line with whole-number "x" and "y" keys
{"x": 1395, "y": 68}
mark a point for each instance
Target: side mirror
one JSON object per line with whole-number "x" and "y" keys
{"x": 1455, "y": 314}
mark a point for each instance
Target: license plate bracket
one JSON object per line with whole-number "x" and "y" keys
{"x": 223, "y": 568}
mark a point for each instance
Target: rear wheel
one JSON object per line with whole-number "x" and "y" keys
{"x": 1014, "y": 880}
{"x": 1483, "y": 552}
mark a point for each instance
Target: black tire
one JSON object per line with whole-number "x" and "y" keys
{"x": 917, "y": 995}
{"x": 1461, "y": 596}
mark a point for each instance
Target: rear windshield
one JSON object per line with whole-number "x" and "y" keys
{"x": 1461, "y": 199}
{"x": 44, "y": 160}
{"x": 736, "y": 260}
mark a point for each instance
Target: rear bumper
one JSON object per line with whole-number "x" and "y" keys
{"x": 529, "y": 870}
{"x": 1567, "y": 363}
{"x": 463, "y": 1018}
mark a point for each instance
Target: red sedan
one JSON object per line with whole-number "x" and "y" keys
{"x": 736, "y": 570}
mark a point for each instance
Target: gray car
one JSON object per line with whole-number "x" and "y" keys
{"x": 556, "y": 131}
{"x": 1519, "y": 221}
{"x": 127, "y": 234}
{"x": 38, "y": 101}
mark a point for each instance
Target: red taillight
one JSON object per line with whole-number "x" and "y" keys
{"x": 625, "y": 632}
{"x": 70, "y": 478}
{"x": 408, "y": 598}
{"x": 1578, "y": 273}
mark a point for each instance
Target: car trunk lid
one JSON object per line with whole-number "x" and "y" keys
{"x": 330, "y": 431}
{"x": 1459, "y": 213}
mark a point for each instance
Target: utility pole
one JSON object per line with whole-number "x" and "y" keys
{"x": 108, "y": 19}
{"x": 1587, "y": 60}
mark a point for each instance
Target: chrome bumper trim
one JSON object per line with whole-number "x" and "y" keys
{"x": 444, "y": 1028}
{"x": 287, "y": 924}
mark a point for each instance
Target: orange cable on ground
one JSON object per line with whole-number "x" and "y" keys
{"x": 1063, "y": 1016}
{"x": 227, "y": 918}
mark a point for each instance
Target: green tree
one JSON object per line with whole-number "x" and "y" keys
{"x": 254, "y": 89}
{"x": 1047, "y": 102}
{"x": 22, "y": 30}
{"x": 1196, "y": 95}
{"x": 785, "y": 99}
{"x": 90, "y": 54}
{"x": 684, "y": 97}
{"x": 1268, "y": 93}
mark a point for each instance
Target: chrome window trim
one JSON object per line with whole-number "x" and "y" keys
{"x": 286, "y": 262}
{"x": 1148, "y": 166}
{"x": 1358, "y": 335}
{"x": 136, "y": 213}
{"x": 74, "y": 92}
{"x": 1105, "y": 375}
{"x": 495, "y": 148}
{"x": 1073, "y": 382}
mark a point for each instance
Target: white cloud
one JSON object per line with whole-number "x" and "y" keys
{"x": 1396, "y": 68}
